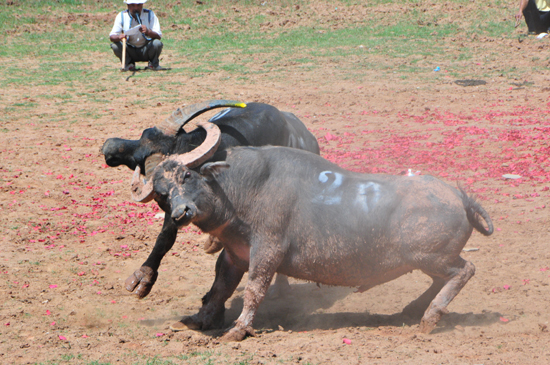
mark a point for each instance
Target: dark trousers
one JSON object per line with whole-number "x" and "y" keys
{"x": 148, "y": 53}
{"x": 537, "y": 21}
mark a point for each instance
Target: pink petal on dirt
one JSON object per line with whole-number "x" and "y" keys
{"x": 330, "y": 137}
{"x": 84, "y": 336}
{"x": 346, "y": 341}
{"x": 53, "y": 286}
{"x": 502, "y": 319}
{"x": 113, "y": 301}
{"x": 52, "y": 324}
{"x": 48, "y": 312}
{"x": 160, "y": 334}
{"x": 506, "y": 287}
{"x": 62, "y": 338}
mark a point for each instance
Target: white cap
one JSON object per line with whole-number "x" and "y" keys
{"x": 135, "y": 1}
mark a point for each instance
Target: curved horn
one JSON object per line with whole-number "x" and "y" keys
{"x": 142, "y": 190}
{"x": 151, "y": 162}
{"x": 207, "y": 148}
{"x": 172, "y": 125}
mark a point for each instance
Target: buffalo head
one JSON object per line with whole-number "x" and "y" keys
{"x": 142, "y": 187}
{"x": 161, "y": 140}
{"x": 191, "y": 197}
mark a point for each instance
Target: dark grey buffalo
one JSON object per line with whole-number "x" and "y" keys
{"x": 288, "y": 211}
{"x": 253, "y": 124}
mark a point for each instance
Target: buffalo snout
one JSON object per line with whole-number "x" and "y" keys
{"x": 182, "y": 212}
{"x": 119, "y": 151}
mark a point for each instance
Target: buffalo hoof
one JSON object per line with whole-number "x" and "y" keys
{"x": 237, "y": 334}
{"x": 186, "y": 323}
{"x": 141, "y": 281}
{"x": 427, "y": 326}
{"x": 430, "y": 319}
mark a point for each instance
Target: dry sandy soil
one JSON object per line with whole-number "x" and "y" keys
{"x": 70, "y": 233}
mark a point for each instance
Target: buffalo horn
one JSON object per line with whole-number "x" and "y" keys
{"x": 142, "y": 189}
{"x": 206, "y": 150}
{"x": 172, "y": 125}
{"x": 151, "y": 162}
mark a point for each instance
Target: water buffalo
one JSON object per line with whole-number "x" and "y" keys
{"x": 282, "y": 210}
{"x": 253, "y": 124}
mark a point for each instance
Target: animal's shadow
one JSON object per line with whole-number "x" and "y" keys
{"x": 303, "y": 310}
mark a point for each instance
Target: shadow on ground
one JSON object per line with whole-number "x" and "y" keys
{"x": 306, "y": 311}
{"x": 306, "y": 307}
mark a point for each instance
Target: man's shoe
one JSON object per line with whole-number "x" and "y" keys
{"x": 154, "y": 68}
{"x": 130, "y": 67}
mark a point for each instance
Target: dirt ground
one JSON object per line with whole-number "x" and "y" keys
{"x": 70, "y": 233}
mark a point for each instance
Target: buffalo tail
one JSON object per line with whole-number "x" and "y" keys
{"x": 474, "y": 211}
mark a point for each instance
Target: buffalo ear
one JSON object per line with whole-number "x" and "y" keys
{"x": 211, "y": 169}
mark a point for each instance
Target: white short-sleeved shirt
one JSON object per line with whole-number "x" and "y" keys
{"x": 543, "y": 5}
{"x": 124, "y": 22}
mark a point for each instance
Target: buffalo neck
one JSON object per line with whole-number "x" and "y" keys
{"x": 187, "y": 142}
{"x": 223, "y": 219}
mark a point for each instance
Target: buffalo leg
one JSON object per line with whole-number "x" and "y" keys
{"x": 142, "y": 280}
{"x": 457, "y": 277}
{"x": 261, "y": 272}
{"x": 416, "y": 308}
{"x": 280, "y": 288}
{"x": 211, "y": 314}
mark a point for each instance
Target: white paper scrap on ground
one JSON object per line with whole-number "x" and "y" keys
{"x": 510, "y": 176}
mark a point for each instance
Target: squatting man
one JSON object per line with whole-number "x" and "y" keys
{"x": 141, "y": 29}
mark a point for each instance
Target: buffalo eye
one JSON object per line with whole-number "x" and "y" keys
{"x": 182, "y": 176}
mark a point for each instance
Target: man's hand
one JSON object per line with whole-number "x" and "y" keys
{"x": 143, "y": 29}
{"x": 117, "y": 37}
{"x": 519, "y": 15}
